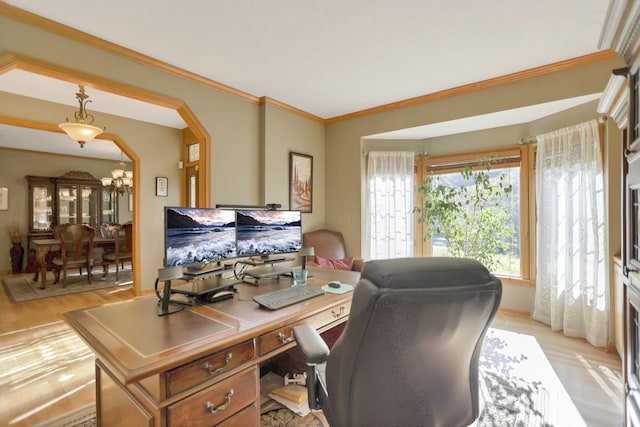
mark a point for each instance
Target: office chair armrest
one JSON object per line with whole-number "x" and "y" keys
{"x": 313, "y": 347}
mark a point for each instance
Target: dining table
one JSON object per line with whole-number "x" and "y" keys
{"x": 43, "y": 247}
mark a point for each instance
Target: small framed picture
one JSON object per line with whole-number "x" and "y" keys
{"x": 4, "y": 199}
{"x": 300, "y": 182}
{"x": 162, "y": 186}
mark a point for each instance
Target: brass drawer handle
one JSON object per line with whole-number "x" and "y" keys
{"x": 339, "y": 314}
{"x": 212, "y": 408}
{"x": 283, "y": 339}
{"x": 207, "y": 367}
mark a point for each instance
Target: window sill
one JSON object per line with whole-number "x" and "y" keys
{"x": 517, "y": 281}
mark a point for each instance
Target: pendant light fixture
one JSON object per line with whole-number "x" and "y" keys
{"x": 81, "y": 130}
{"x": 121, "y": 181}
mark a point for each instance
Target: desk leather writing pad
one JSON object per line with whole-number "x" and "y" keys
{"x": 137, "y": 325}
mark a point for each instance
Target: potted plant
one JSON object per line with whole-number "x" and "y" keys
{"x": 469, "y": 216}
{"x": 17, "y": 251}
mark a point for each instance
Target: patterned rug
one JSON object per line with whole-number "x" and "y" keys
{"x": 520, "y": 387}
{"x": 22, "y": 287}
{"x": 274, "y": 414}
{"x": 81, "y": 417}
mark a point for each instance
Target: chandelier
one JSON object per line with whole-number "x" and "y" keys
{"x": 81, "y": 130}
{"x": 121, "y": 181}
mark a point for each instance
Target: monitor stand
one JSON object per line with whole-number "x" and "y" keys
{"x": 201, "y": 270}
{"x": 200, "y": 288}
{"x": 165, "y": 305}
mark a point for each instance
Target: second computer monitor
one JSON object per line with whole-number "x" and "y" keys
{"x": 268, "y": 232}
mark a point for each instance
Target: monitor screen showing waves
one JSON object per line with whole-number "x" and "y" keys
{"x": 199, "y": 235}
{"x": 263, "y": 232}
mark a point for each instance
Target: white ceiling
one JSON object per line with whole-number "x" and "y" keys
{"x": 329, "y": 57}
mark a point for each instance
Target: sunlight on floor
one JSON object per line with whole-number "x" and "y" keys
{"x": 47, "y": 362}
{"x": 604, "y": 377}
{"x": 516, "y": 364}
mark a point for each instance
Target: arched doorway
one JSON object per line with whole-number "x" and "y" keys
{"x": 11, "y": 61}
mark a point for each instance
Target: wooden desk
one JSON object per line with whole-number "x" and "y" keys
{"x": 44, "y": 246}
{"x": 200, "y": 366}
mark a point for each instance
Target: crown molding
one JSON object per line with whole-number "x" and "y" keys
{"x": 74, "y": 34}
{"x": 621, "y": 31}
{"x": 266, "y": 100}
{"x": 71, "y": 33}
{"x": 484, "y": 84}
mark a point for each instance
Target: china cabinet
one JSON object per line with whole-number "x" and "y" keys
{"x": 74, "y": 198}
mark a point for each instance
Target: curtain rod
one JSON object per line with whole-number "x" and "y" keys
{"x": 423, "y": 153}
{"x": 601, "y": 119}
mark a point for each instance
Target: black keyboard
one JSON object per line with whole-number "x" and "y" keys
{"x": 288, "y": 296}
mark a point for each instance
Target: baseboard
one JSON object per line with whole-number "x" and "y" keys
{"x": 515, "y": 311}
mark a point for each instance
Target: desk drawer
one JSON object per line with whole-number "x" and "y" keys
{"x": 331, "y": 315}
{"x": 194, "y": 373}
{"x": 216, "y": 403}
{"x": 272, "y": 340}
{"x": 248, "y": 417}
{"x": 284, "y": 335}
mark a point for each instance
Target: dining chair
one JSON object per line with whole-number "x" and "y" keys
{"x": 123, "y": 235}
{"x": 76, "y": 250}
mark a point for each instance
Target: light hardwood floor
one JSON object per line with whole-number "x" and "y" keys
{"x": 591, "y": 376}
{"x": 21, "y": 324}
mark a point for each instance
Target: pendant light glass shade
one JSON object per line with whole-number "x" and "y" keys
{"x": 80, "y": 132}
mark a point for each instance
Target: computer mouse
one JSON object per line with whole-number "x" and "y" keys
{"x": 334, "y": 284}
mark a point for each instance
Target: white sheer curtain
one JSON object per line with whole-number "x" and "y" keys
{"x": 571, "y": 284}
{"x": 389, "y": 209}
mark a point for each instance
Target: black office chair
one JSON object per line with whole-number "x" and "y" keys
{"x": 409, "y": 353}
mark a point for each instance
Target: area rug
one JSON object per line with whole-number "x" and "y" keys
{"x": 21, "y": 287}
{"x": 274, "y": 414}
{"x": 81, "y": 417}
{"x": 520, "y": 387}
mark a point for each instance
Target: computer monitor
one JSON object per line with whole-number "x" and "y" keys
{"x": 195, "y": 237}
{"x": 268, "y": 232}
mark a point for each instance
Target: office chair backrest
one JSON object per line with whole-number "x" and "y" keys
{"x": 409, "y": 353}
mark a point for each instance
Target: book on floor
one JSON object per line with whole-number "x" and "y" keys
{"x": 298, "y": 408}
{"x": 294, "y": 392}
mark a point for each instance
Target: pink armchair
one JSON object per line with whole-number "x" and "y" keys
{"x": 329, "y": 250}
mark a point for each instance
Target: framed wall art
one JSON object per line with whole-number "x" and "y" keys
{"x": 162, "y": 186}
{"x": 4, "y": 198}
{"x": 300, "y": 182}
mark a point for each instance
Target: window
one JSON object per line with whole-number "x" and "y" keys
{"x": 512, "y": 167}
{"x": 389, "y": 208}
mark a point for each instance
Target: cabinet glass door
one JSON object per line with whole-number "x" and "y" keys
{"x": 68, "y": 204}
{"x": 89, "y": 207}
{"x": 109, "y": 207}
{"x": 42, "y": 207}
